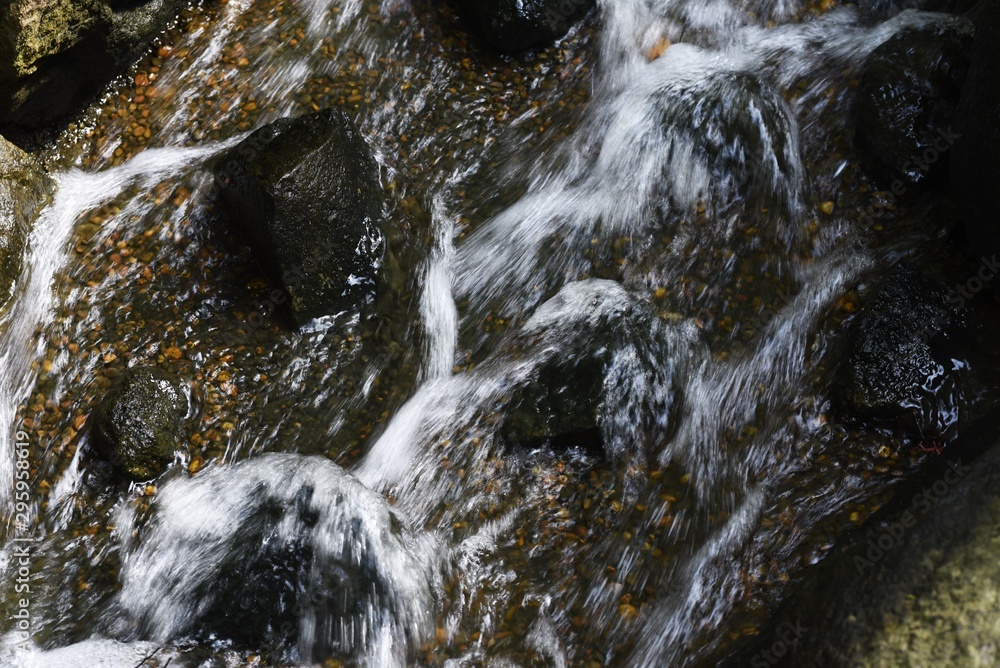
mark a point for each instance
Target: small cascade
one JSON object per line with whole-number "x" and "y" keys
{"x": 77, "y": 193}
{"x": 337, "y": 571}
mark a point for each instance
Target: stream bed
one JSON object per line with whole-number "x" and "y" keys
{"x": 671, "y": 185}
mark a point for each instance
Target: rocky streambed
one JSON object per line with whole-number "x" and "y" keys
{"x": 495, "y": 334}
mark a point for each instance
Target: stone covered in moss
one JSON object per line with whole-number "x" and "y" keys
{"x": 24, "y": 190}
{"x": 56, "y": 54}
{"x": 917, "y": 586}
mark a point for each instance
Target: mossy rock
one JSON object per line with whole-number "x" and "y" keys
{"x": 919, "y": 585}
{"x": 56, "y": 55}
{"x": 25, "y": 189}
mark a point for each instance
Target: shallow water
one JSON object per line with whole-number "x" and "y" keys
{"x": 668, "y": 209}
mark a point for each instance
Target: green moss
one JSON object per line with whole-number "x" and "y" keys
{"x": 35, "y": 29}
{"x": 956, "y": 620}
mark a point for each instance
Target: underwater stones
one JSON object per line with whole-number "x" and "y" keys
{"x": 24, "y": 189}
{"x": 975, "y": 165}
{"x": 517, "y": 25}
{"x": 891, "y": 374}
{"x": 306, "y": 195}
{"x": 907, "y": 98}
{"x": 56, "y": 54}
{"x": 135, "y": 427}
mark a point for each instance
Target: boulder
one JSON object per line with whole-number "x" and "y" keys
{"x": 517, "y": 25}
{"x": 292, "y": 553}
{"x": 24, "y": 190}
{"x": 891, "y": 374}
{"x": 55, "y": 55}
{"x": 135, "y": 427}
{"x": 598, "y": 366}
{"x": 306, "y": 195}
{"x": 975, "y": 168}
{"x": 908, "y": 94}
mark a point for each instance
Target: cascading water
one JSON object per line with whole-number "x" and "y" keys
{"x": 580, "y": 425}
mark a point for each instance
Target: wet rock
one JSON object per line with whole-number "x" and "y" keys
{"x": 24, "y": 190}
{"x": 907, "y": 98}
{"x": 728, "y": 138}
{"x": 135, "y": 427}
{"x": 517, "y": 25}
{"x": 305, "y": 193}
{"x": 975, "y": 168}
{"x": 290, "y": 551}
{"x": 55, "y": 56}
{"x": 918, "y": 585}
{"x": 892, "y": 373}
{"x": 603, "y": 367}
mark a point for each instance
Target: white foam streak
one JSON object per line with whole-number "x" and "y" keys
{"x": 437, "y": 305}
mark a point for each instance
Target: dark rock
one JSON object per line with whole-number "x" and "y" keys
{"x": 975, "y": 163}
{"x": 907, "y": 98}
{"x": 292, "y": 552}
{"x": 886, "y": 9}
{"x": 517, "y": 25}
{"x": 730, "y": 134}
{"x": 305, "y": 192}
{"x": 55, "y": 57}
{"x": 603, "y": 367}
{"x": 892, "y": 374}
{"x": 135, "y": 427}
{"x": 919, "y": 584}
{"x": 24, "y": 190}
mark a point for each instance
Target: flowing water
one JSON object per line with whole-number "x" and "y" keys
{"x": 356, "y": 491}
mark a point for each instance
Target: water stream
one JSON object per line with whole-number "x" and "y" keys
{"x": 356, "y": 491}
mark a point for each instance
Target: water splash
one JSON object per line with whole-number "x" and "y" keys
{"x": 339, "y": 569}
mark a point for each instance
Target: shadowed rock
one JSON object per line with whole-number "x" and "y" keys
{"x": 24, "y": 190}
{"x": 305, "y": 193}
{"x": 518, "y": 25}
{"x": 975, "y": 163}
{"x": 907, "y": 99}
{"x": 56, "y": 56}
